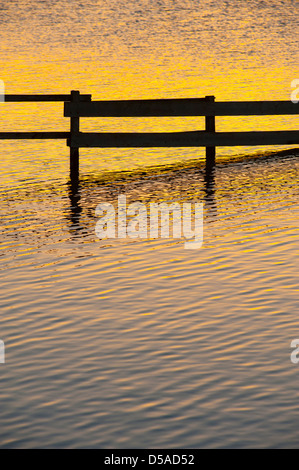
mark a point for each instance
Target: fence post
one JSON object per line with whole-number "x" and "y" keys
{"x": 210, "y": 127}
{"x": 74, "y": 151}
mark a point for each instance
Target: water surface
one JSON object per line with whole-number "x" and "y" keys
{"x": 141, "y": 343}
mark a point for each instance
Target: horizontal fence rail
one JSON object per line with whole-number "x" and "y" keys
{"x": 78, "y": 105}
{"x": 34, "y": 135}
{"x": 183, "y": 139}
{"x": 39, "y": 98}
{"x": 178, "y": 107}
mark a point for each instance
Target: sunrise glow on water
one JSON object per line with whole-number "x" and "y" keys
{"x": 140, "y": 343}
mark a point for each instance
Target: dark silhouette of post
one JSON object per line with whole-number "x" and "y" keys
{"x": 74, "y": 151}
{"x": 210, "y": 127}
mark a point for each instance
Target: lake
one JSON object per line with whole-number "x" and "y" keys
{"x": 142, "y": 343}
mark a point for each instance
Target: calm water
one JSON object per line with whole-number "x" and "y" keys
{"x": 143, "y": 343}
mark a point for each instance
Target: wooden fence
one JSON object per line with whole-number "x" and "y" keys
{"x": 77, "y": 106}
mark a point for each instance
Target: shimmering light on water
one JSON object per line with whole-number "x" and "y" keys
{"x": 142, "y": 343}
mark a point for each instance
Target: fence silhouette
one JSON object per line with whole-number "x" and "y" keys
{"x": 78, "y": 105}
